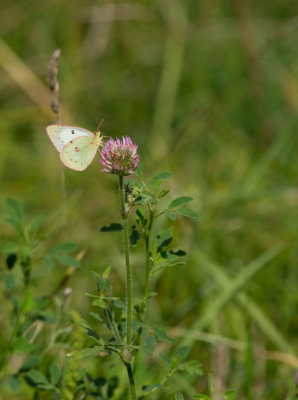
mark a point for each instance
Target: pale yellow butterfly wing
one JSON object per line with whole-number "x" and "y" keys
{"x": 79, "y": 153}
{"x": 60, "y": 135}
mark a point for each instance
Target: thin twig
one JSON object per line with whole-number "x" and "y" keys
{"x": 54, "y": 84}
{"x": 55, "y": 106}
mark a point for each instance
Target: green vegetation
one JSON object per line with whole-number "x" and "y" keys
{"x": 208, "y": 90}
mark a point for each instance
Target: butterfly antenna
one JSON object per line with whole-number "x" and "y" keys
{"x": 101, "y": 122}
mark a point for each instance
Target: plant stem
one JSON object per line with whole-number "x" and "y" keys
{"x": 148, "y": 263}
{"x": 132, "y": 387}
{"x": 148, "y": 274}
{"x": 127, "y": 261}
{"x": 113, "y": 324}
{"x": 128, "y": 366}
{"x": 18, "y": 321}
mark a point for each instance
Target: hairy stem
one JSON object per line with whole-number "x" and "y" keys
{"x": 148, "y": 262}
{"x": 113, "y": 325}
{"x": 127, "y": 261}
{"x": 128, "y": 366}
{"x": 132, "y": 387}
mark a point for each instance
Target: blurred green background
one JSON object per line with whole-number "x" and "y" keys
{"x": 209, "y": 91}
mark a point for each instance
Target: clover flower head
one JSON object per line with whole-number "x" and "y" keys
{"x": 119, "y": 156}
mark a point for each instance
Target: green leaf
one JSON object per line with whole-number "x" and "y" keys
{"x": 187, "y": 212}
{"x": 11, "y": 259}
{"x": 49, "y": 262}
{"x": 16, "y": 226}
{"x": 162, "y": 193}
{"x": 35, "y": 224}
{"x": 26, "y": 252}
{"x": 96, "y": 316}
{"x": 112, "y": 385}
{"x": 148, "y": 388}
{"x": 29, "y": 364}
{"x": 229, "y": 395}
{"x": 192, "y": 367}
{"x": 147, "y": 342}
{"x": 46, "y": 386}
{"x": 200, "y": 397}
{"x": 162, "y": 176}
{"x": 14, "y": 209}
{"x": 164, "y": 238}
{"x": 119, "y": 304}
{"x": 146, "y": 198}
{"x": 154, "y": 249}
{"x": 156, "y": 187}
{"x": 14, "y": 383}
{"x": 161, "y": 333}
{"x": 67, "y": 260}
{"x": 179, "y": 396}
{"x": 134, "y": 237}
{"x": 55, "y": 373}
{"x": 47, "y": 317}
{"x": 10, "y": 281}
{"x": 113, "y": 227}
{"x": 99, "y": 303}
{"x": 103, "y": 286}
{"x": 23, "y": 346}
{"x": 140, "y": 218}
{"x": 91, "y": 352}
{"x": 10, "y": 247}
{"x": 96, "y": 277}
{"x": 170, "y": 214}
{"x": 181, "y": 353}
{"x": 170, "y": 260}
{"x": 65, "y": 247}
{"x": 139, "y": 170}
{"x": 110, "y": 298}
{"x": 179, "y": 253}
{"x": 37, "y": 377}
{"x": 180, "y": 201}
{"x": 92, "y": 333}
{"x": 99, "y": 382}
{"x": 151, "y": 294}
{"x": 93, "y": 296}
{"x": 166, "y": 359}
{"x": 106, "y": 272}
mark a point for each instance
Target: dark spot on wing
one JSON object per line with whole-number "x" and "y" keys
{"x": 72, "y": 131}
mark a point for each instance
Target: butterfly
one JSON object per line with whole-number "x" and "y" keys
{"x": 77, "y": 146}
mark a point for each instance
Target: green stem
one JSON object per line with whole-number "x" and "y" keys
{"x": 148, "y": 274}
{"x": 163, "y": 382}
{"x": 113, "y": 324}
{"x": 132, "y": 387}
{"x": 128, "y": 366}
{"x": 127, "y": 261}
{"x": 148, "y": 262}
{"x": 18, "y": 321}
